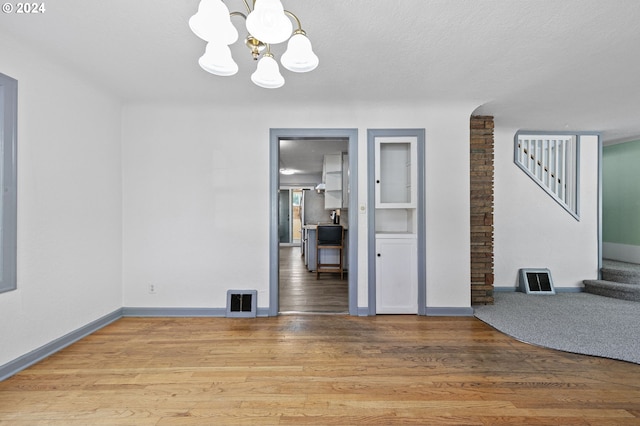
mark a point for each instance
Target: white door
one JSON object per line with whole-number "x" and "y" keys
{"x": 396, "y": 275}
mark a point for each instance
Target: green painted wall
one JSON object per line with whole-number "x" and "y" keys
{"x": 621, "y": 193}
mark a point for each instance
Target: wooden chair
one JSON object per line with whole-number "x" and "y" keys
{"x": 329, "y": 237}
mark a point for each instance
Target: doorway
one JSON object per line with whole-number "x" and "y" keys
{"x": 304, "y": 163}
{"x": 289, "y": 256}
{"x": 290, "y": 211}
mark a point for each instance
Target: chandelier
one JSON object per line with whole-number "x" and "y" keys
{"x": 268, "y": 23}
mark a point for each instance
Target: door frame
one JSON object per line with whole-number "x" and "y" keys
{"x": 274, "y": 184}
{"x": 419, "y": 134}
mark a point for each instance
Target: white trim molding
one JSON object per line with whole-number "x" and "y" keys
{"x": 621, "y": 252}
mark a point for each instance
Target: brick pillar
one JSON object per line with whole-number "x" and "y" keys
{"x": 481, "y": 167}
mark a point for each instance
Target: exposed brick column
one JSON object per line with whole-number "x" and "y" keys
{"x": 481, "y": 164}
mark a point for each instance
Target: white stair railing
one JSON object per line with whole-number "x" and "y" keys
{"x": 552, "y": 162}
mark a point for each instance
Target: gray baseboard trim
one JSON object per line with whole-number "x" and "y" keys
{"x": 182, "y": 312}
{"x": 557, "y": 289}
{"x": 173, "y": 312}
{"x": 433, "y": 312}
{"x": 12, "y": 367}
{"x": 263, "y": 312}
{"x": 449, "y": 312}
{"x": 362, "y": 312}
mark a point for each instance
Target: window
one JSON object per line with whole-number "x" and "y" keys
{"x": 551, "y": 160}
{"x": 8, "y": 219}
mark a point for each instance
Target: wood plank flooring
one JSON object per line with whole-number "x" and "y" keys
{"x": 301, "y": 292}
{"x": 317, "y": 369}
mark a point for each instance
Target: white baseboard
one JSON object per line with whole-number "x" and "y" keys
{"x": 621, "y": 252}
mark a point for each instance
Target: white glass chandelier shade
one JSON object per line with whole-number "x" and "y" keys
{"x": 268, "y": 22}
{"x": 299, "y": 56}
{"x": 217, "y": 60}
{"x": 267, "y": 74}
{"x": 212, "y": 22}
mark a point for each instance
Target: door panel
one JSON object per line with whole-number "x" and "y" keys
{"x": 396, "y": 290}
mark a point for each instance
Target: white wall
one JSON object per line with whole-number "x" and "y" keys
{"x": 196, "y": 197}
{"x": 533, "y": 231}
{"x": 69, "y": 204}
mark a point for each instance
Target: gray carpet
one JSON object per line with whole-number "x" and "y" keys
{"x": 581, "y": 323}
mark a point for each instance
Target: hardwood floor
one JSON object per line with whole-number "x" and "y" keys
{"x": 301, "y": 292}
{"x": 317, "y": 369}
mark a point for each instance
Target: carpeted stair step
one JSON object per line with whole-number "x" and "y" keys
{"x": 620, "y": 272}
{"x": 620, "y": 275}
{"x": 617, "y": 290}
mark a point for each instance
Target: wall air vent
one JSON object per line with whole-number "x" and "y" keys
{"x": 536, "y": 281}
{"x": 242, "y": 303}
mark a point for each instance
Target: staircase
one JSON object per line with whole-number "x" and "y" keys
{"x": 552, "y": 162}
{"x": 620, "y": 280}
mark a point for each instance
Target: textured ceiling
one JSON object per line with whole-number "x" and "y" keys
{"x": 551, "y": 64}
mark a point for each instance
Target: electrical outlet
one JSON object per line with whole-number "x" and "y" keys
{"x": 152, "y": 289}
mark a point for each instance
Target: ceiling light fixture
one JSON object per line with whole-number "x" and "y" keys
{"x": 268, "y": 23}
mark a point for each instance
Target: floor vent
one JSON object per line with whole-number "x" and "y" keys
{"x": 242, "y": 303}
{"x": 536, "y": 281}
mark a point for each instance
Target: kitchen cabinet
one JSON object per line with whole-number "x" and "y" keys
{"x": 333, "y": 181}
{"x": 335, "y": 177}
{"x": 345, "y": 180}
